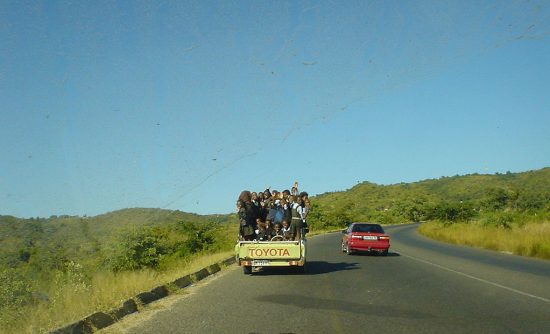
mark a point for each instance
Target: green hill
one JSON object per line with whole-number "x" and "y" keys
{"x": 45, "y": 243}
{"x": 457, "y": 198}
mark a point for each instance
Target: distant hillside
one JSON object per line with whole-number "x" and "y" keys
{"x": 462, "y": 196}
{"x": 47, "y": 242}
{"x": 454, "y": 197}
{"x": 148, "y": 217}
{"x": 77, "y": 237}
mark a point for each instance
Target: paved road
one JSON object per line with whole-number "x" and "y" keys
{"x": 422, "y": 286}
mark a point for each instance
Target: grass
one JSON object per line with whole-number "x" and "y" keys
{"x": 528, "y": 239}
{"x": 106, "y": 290}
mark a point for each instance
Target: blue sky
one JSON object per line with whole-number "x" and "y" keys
{"x": 181, "y": 105}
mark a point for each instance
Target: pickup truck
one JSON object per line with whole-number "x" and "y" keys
{"x": 253, "y": 254}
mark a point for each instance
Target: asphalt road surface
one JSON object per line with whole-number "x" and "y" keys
{"x": 422, "y": 286}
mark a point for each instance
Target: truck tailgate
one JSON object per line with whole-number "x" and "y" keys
{"x": 278, "y": 250}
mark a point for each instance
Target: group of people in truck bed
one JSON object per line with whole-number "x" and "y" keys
{"x": 272, "y": 215}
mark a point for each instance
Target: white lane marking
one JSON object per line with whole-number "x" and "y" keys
{"x": 476, "y": 278}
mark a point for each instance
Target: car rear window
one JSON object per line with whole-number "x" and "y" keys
{"x": 367, "y": 228}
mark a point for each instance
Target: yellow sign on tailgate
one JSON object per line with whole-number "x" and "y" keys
{"x": 272, "y": 250}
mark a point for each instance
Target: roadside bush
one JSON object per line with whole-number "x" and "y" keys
{"x": 498, "y": 198}
{"x": 15, "y": 290}
{"x": 412, "y": 210}
{"x": 386, "y": 218}
{"x": 339, "y": 218}
{"x": 72, "y": 278}
{"x": 499, "y": 220}
{"x": 138, "y": 249}
{"x": 318, "y": 219}
{"x": 451, "y": 212}
{"x": 200, "y": 237}
{"x": 532, "y": 201}
{"x": 149, "y": 247}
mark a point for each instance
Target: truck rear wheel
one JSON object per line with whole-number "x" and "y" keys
{"x": 247, "y": 270}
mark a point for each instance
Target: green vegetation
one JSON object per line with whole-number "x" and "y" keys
{"x": 507, "y": 212}
{"x": 527, "y": 239}
{"x": 56, "y": 270}
{"x": 59, "y": 269}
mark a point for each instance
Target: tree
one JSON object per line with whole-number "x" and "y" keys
{"x": 139, "y": 249}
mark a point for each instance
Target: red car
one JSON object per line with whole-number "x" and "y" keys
{"x": 365, "y": 237}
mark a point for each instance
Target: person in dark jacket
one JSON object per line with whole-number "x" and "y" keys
{"x": 287, "y": 208}
{"x": 246, "y": 214}
{"x": 255, "y": 205}
{"x": 263, "y": 206}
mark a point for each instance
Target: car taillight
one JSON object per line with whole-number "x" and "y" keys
{"x": 383, "y": 237}
{"x": 356, "y": 237}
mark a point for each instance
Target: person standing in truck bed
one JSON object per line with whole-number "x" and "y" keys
{"x": 306, "y": 208}
{"x": 246, "y": 215}
{"x": 296, "y": 224}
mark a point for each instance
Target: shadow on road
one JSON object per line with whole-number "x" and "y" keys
{"x": 307, "y": 302}
{"x": 374, "y": 254}
{"x": 323, "y": 267}
{"x": 312, "y": 268}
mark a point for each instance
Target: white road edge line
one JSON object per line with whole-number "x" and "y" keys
{"x": 476, "y": 278}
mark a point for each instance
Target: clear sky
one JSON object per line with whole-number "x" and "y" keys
{"x": 107, "y": 105}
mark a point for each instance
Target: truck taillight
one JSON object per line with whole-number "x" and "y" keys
{"x": 295, "y": 263}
